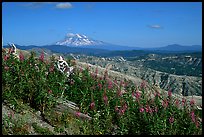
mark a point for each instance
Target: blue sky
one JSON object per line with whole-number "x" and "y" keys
{"x": 135, "y": 24}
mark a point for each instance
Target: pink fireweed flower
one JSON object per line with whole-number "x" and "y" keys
{"x": 115, "y": 81}
{"x": 125, "y": 106}
{"x": 72, "y": 82}
{"x": 177, "y": 102}
{"x": 148, "y": 109}
{"x": 41, "y": 56}
{"x": 143, "y": 84}
{"x": 121, "y": 83}
{"x": 183, "y": 101}
{"x": 155, "y": 109}
{"x": 110, "y": 84}
{"x": 125, "y": 84}
{"x": 136, "y": 94}
{"x": 100, "y": 78}
{"x": 92, "y": 75}
{"x": 197, "y": 124}
{"x": 116, "y": 109}
{"x": 10, "y": 51}
{"x": 6, "y": 68}
{"x": 141, "y": 110}
{"x": 77, "y": 113}
{"x": 157, "y": 94}
{"x": 105, "y": 99}
{"x": 123, "y": 109}
{"x": 92, "y": 105}
{"x": 80, "y": 70}
{"x": 119, "y": 93}
{"x": 165, "y": 103}
{"x": 21, "y": 56}
{"x": 193, "y": 116}
{"x": 169, "y": 93}
{"x": 51, "y": 69}
{"x": 49, "y": 91}
{"x": 100, "y": 86}
{"x": 6, "y": 57}
{"x": 171, "y": 120}
{"x": 192, "y": 102}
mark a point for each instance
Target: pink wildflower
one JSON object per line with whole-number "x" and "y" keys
{"x": 155, "y": 109}
{"x": 110, "y": 84}
{"x": 92, "y": 105}
{"x": 77, "y": 114}
{"x": 6, "y": 68}
{"x": 51, "y": 69}
{"x": 80, "y": 70}
{"x": 100, "y": 86}
{"x": 183, "y": 101}
{"x": 141, "y": 109}
{"x": 105, "y": 99}
{"x": 123, "y": 109}
{"x": 125, "y": 106}
{"x": 143, "y": 84}
{"x": 10, "y": 51}
{"x": 72, "y": 82}
{"x": 165, "y": 103}
{"x": 92, "y": 75}
{"x": 6, "y": 57}
{"x": 169, "y": 93}
{"x": 116, "y": 109}
{"x": 119, "y": 93}
{"x": 193, "y": 116}
{"x": 171, "y": 120}
{"x": 192, "y": 102}
{"x": 121, "y": 83}
{"x": 125, "y": 84}
{"x": 197, "y": 124}
{"x": 136, "y": 94}
{"x": 146, "y": 109}
{"x": 49, "y": 91}
{"x": 177, "y": 102}
{"x": 115, "y": 81}
{"x": 157, "y": 94}
{"x": 41, "y": 56}
{"x": 21, "y": 56}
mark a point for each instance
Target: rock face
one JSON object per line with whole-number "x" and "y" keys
{"x": 182, "y": 85}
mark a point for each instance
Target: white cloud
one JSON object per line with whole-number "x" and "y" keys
{"x": 64, "y": 5}
{"x": 155, "y": 26}
{"x": 61, "y": 5}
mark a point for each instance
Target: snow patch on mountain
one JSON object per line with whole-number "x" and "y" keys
{"x": 72, "y": 39}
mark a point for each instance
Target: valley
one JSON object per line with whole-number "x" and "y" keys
{"x": 182, "y": 73}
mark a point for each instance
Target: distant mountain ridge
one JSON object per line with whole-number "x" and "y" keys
{"x": 83, "y": 44}
{"x": 177, "y": 47}
{"x": 80, "y": 40}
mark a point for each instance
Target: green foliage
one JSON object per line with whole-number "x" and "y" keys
{"x": 119, "y": 108}
{"x": 41, "y": 131}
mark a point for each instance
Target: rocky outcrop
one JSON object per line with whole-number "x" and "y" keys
{"x": 179, "y": 84}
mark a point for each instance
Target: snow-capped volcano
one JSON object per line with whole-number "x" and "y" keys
{"x": 78, "y": 40}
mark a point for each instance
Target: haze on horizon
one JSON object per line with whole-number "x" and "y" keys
{"x": 134, "y": 24}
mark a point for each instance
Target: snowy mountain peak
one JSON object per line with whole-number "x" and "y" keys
{"x": 72, "y": 39}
